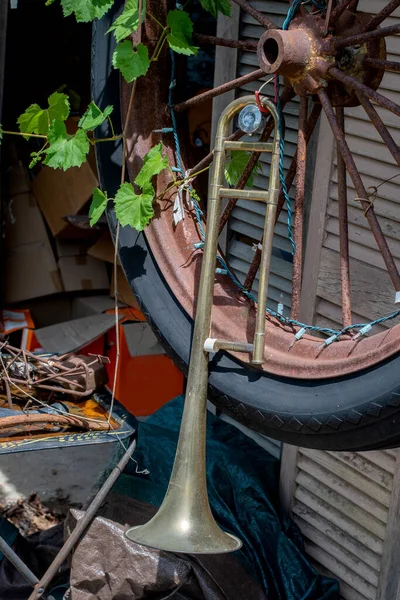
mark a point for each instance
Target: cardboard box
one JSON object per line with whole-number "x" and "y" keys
{"x": 125, "y": 294}
{"x": 62, "y": 193}
{"x": 86, "y": 306}
{"x": 31, "y": 272}
{"x": 103, "y": 249}
{"x": 70, "y": 248}
{"x": 83, "y": 273}
{"x": 26, "y": 224}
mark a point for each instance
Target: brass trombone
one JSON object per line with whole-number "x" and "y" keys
{"x": 184, "y": 522}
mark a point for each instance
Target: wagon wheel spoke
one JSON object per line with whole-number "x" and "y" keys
{"x": 360, "y": 38}
{"x": 221, "y": 89}
{"x": 343, "y": 227}
{"x": 380, "y": 127}
{"x": 364, "y": 89}
{"x": 387, "y": 65}
{"x": 248, "y": 46}
{"x": 301, "y": 157}
{"x": 382, "y": 15}
{"x": 311, "y": 123}
{"x": 339, "y": 10}
{"x": 360, "y": 190}
{"x": 257, "y": 15}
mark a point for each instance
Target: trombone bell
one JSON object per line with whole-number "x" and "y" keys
{"x": 184, "y": 522}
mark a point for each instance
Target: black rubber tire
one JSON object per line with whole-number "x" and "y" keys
{"x": 357, "y": 412}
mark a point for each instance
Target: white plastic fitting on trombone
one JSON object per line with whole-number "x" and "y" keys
{"x": 209, "y": 345}
{"x": 397, "y": 298}
{"x": 363, "y": 331}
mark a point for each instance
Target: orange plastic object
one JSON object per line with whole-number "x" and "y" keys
{"x": 144, "y": 383}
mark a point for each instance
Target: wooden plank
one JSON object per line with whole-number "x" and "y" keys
{"x": 372, "y": 293}
{"x": 389, "y": 581}
{"x": 287, "y": 478}
{"x": 316, "y": 225}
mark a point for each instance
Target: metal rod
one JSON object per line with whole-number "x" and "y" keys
{"x": 364, "y": 89}
{"x": 218, "y": 41}
{"x": 360, "y": 191}
{"x": 256, "y": 14}
{"x": 207, "y": 160}
{"x": 82, "y": 525}
{"x": 221, "y": 89}
{"x": 328, "y": 17}
{"x": 232, "y": 346}
{"x": 388, "y": 65}
{"x": 382, "y": 15}
{"x": 359, "y": 38}
{"x": 338, "y": 11}
{"x": 287, "y": 94}
{"x": 301, "y": 158}
{"x": 18, "y": 563}
{"x": 312, "y": 121}
{"x": 343, "y": 228}
{"x": 380, "y": 127}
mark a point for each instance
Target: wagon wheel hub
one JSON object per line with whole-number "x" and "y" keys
{"x": 304, "y": 55}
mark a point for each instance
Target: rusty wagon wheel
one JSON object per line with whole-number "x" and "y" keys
{"x": 343, "y": 393}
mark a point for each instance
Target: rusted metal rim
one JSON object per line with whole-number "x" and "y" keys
{"x": 179, "y": 261}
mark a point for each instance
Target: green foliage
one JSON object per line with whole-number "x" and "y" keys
{"x": 94, "y": 117}
{"x": 38, "y": 120}
{"x": 215, "y": 6}
{"x": 133, "y": 209}
{"x": 236, "y": 165}
{"x": 154, "y": 162}
{"x": 65, "y": 151}
{"x": 86, "y": 10}
{"x": 97, "y": 206}
{"x": 132, "y": 63}
{"x": 128, "y": 22}
{"x": 181, "y": 29}
{"x": 36, "y": 157}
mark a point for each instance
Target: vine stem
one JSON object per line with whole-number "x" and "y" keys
{"x": 107, "y": 139}
{"x": 179, "y": 182}
{"x": 35, "y": 135}
{"x": 116, "y": 242}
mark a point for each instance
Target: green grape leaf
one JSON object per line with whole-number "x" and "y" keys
{"x": 128, "y": 21}
{"x": 215, "y": 6}
{"x": 94, "y": 117}
{"x": 181, "y": 29}
{"x": 38, "y": 120}
{"x": 153, "y": 163}
{"x": 97, "y": 206}
{"x": 66, "y": 151}
{"x": 132, "y": 63}
{"x": 86, "y": 10}
{"x": 236, "y": 166}
{"x": 133, "y": 209}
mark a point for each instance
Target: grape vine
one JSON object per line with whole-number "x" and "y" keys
{"x": 133, "y": 204}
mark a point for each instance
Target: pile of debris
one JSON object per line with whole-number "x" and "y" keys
{"x": 29, "y": 515}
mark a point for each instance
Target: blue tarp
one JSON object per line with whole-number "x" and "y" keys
{"x": 242, "y": 483}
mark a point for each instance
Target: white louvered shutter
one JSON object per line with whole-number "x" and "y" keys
{"x": 341, "y": 502}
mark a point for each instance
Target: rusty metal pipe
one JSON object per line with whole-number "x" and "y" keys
{"x": 382, "y": 15}
{"x": 360, "y": 191}
{"x": 247, "y": 46}
{"x": 380, "y": 127}
{"x": 301, "y": 158}
{"x": 338, "y": 11}
{"x": 377, "y": 63}
{"x": 256, "y": 14}
{"x": 364, "y": 89}
{"x": 343, "y": 228}
{"x": 360, "y": 38}
{"x": 43, "y": 418}
{"x": 221, "y": 89}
